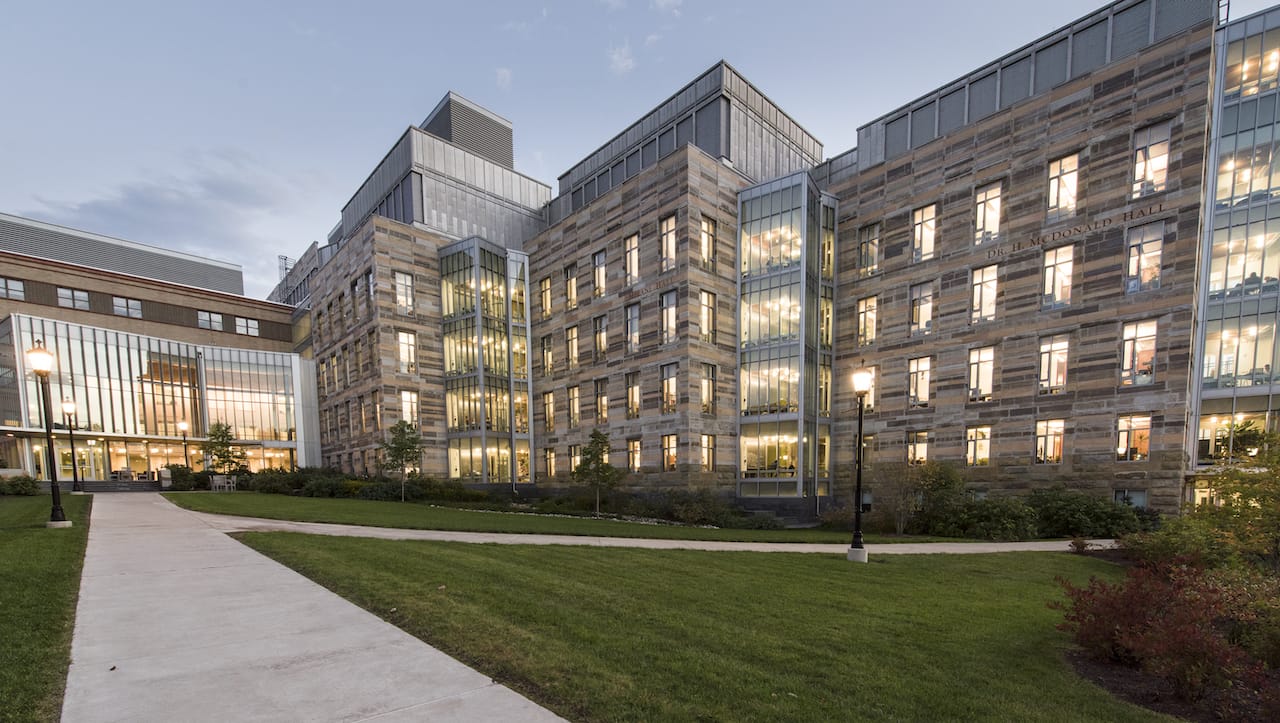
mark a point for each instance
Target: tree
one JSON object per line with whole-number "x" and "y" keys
{"x": 401, "y": 449}
{"x": 594, "y": 471}
{"x": 220, "y": 448}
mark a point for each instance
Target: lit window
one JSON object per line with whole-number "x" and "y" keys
{"x": 1053, "y": 363}
{"x": 632, "y": 259}
{"x": 668, "y": 307}
{"x": 707, "y": 316}
{"x": 869, "y": 250}
{"x": 922, "y": 308}
{"x": 1134, "y": 438}
{"x": 1144, "y": 246}
{"x": 983, "y": 288}
{"x": 1057, "y": 276}
{"x": 977, "y": 446}
{"x": 923, "y": 231}
{"x": 247, "y": 327}
{"x": 600, "y": 335}
{"x": 571, "y": 347}
{"x": 12, "y": 289}
{"x": 544, "y": 296}
{"x": 708, "y": 445}
{"x": 575, "y": 408}
{"x": 918, "y": 381}
{"x": 571, "y": 286}
{"x": 986, "y": 211}
{"x": 669, "y": 452}
{"x": 1063, "y": 177}
{"x": 1150, "y": 159}
{"x": 633, "y": 455}
{"x": 982, "y": 366}
{"x": 549, "y": 461}
{"x": 599, "y": 273}
{"x": 708, "y": 388}
{"x": 73, "y": 299}
{"x": 1049, "y": 435}
{"x": 602, "y": 401}
{"x": 669, "y": 392}
{"x": 575, "y": 457}
{"x": 633, "y": 328}
{"x": 407, "y": 351}
{"x": 548, "y": 356}
{"x": 548, "y": 412}
{"x": 633, "y": 394}
{"x": 1138, "y": 355}
{"x": 212, "y": 321}
{"x": 131, "y": 308}
{"x": 667, "y": 230}
{"x": 866, "y": 321}
{"x": 917, "y": 447}
{"x": 409, "y": 407}
{"x": 404, "y": 292}
{"x": 707, "y": 244}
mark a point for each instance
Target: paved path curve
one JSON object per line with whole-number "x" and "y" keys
{"x": 178, "y": 622}
{"x": 230, "y": 523}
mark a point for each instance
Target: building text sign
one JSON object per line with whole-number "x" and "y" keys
{"x": 1037, "y": 241}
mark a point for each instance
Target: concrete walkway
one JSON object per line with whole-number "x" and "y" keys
{"x": 178, "y": 622}
{"x": 228, "y": 523}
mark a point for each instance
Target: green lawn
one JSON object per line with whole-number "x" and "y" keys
{"x": 39, "y": 585}
{"x": 623, "y": 634}
{"x": 426, "y": 517}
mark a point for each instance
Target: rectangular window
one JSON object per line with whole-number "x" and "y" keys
{"x": 923, "y": 232}
{"x": 404, "y": 292}
{"x": 632, "y": 259}
{"x": 1049, "y": 435}
{"x": 1138, "y": 355}
{"x": 633, "y": 395}
{"x": 575, "y": 407}
{"x": 633, "y": 455}
{"x": 1063, "y": 177}
{"x": 407, "y": 351}
{"x": 707, "y": 244}
{"x": 633, "y": 328}
{"x": 571, "y": 286}
{"x": 977, "y": 446}
{"x": 548, "y": 356}
{"x": 986, "y": 218}
{"x": 409, "y": 407}
{"x": 982, "y": 296}
{"x": 707, "y": 317}
{"x": 1133, "y": 498}
{"x": 982, "y": 370}
{"x": 1134, "y": 438}
{"x": 708, "y": 445}
{"x": 1053, "y": 363}
{"x": 866, "y": 321}
{"x": 922, "y": 308}
{"x": 575, "y": 457}
{"x": 210, "y": 320}
{"x": 667, "y": 302}
{"x": 549, "y": 461}
{"x": 918, "y": 381}
{"x": 1057, "y": 276}
{"x": 544, "y": 296}
{"x": 602, "y": 401}
{"x": 600, "y": 336}
{"x": 669, "y": 393}
{"x": 12, "y": 289}
{"x": 667, "y": 230}
{"x": 669, "y": 447}
{"x": 571, "y": 347}
{"x": 599, "y": 273}
{"x": 1150, "y": 159}
{"x": 131, "y": 308}
{"x": 868, "y": 250}
{"x": 917, "y": 447}
{"x": 73, "y": 299}
{"x": 708, "y": 388}
{"x": 247, "y": 327}
{"x": 549, "y": 412}
{"x": 1144, "y": 245}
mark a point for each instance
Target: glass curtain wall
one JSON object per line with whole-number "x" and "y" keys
{"x": 486, "y": 337}
{"x": 786, "y": 290}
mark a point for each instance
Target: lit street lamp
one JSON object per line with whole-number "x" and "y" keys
{"x": 862, "y": 379}
{"x": 40, "y": 360}
{"x": 69, "y": 413}
{"x": 182, "y": 427}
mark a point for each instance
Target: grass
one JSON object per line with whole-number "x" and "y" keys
{"x": 39, "y": 586}
{"x": 621, "y": 634}
{"x": 425, "y": 517}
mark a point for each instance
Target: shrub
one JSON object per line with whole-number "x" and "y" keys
{"x": 324, "y": 487}
{"x": 450, "y": 490}
{"x": 1191, "y": 539}
{"x": 993, "y": 518}
{"x": 21, "y": 485}
{"x": 1067, "y": 513}
{"x": 942, "y": 495}
{"x": 179, "y": 473}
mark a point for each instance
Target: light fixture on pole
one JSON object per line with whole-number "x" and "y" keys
{"x": 862, "y": 380}
{"x": 182, "y": 427}
{"x": 69, "y": 415}
{"x": 40, "y": 360}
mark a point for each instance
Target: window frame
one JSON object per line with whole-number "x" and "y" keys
{"x": 924, "y": 232}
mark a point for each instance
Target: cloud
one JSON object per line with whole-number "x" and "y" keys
{"x": 223, "y": 206}
{"x": 668, "y": 6}
{"x": 614, "y": 4}
{"x": 503, "y": 77}
{"x": 651, "y": 39}
{"x": 621, "y": 61}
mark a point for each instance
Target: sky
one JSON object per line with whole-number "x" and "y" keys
{"x": 238, "y": 130}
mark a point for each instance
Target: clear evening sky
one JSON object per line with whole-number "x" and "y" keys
{"x": 238, "y": 130}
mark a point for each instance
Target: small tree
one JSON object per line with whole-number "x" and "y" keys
{"x": 401, "y": 449}
{"x": 593, "y": 471}
{"x": 896, "y": 486}
{"x": 219, "y": 446}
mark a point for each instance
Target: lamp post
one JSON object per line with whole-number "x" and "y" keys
{"x": 862, "y": 379}
{"x": 40, "y": 360}
{"x": 182, "y": 427}
{"x": 69, "y": 415}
